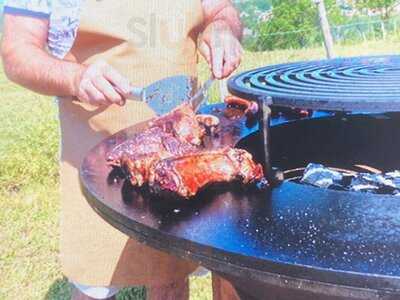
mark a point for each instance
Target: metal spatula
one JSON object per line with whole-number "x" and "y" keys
{"x": 164, "y": 95}
{"x": 197, "y": 99}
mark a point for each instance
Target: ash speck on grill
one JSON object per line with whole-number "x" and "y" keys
{"x": 324, "y": 177}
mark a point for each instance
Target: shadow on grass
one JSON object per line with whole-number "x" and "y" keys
{"x": 135, "y": 293}
{"x": 61, "y": 290}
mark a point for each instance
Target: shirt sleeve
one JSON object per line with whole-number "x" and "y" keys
{"x": 33, "y": 8}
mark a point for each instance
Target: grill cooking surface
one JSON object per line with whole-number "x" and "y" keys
{"x": 313, "y": 236}
{"x": 351, "y": 84}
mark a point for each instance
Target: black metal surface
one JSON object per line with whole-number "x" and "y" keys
{"x": 344, "y": 84}
{"x": 305, "y": 238}
{"x": 264, "y": 124}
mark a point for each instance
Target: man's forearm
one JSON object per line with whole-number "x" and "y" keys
{"x": 36, "y": 70}
{"x": 223, "y": 11}
{"x": 27, "y": 62}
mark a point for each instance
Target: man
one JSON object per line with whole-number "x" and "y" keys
{"x": 89, "y": 54}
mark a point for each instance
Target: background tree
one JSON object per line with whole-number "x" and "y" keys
{"x": 384, "y": 8}
{"x": 251, "y": 11}
{"x": 293, "y": 24}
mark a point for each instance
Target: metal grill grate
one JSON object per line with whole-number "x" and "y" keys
{"x": 350, "y": 84}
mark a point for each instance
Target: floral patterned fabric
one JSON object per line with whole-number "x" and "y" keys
{"x": 63, "y": 18}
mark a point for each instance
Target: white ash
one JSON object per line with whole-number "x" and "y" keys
{"x": 320, "y": 176}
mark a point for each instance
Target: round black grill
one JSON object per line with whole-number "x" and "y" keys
{"x": 367, "y": 84}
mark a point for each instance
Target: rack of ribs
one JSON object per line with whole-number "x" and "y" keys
{"x": 169, "y": 156}
{"x": 186, "y": 175}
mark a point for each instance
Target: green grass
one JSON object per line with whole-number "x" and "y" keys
{"x": 29, "y": 267}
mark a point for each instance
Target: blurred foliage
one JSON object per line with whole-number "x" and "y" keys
{"x": 366, "y": 28}
{"x": 292, "y": 24}
{"x": 384, "y": 8}
{"x": 252, "y": 10}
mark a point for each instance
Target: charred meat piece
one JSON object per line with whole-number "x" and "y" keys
{"x": 137, "y": 156}
{"x": 182, "y": 123}
{"x": 187, "y": 174}
{"x": 174, "y": 134}
{"x": 149, "y": 141}
{"x": 137, "y": 168}
{"x": 138, "y": 165}
{"x": 209, "y": 122}
{"x": 178, "y": 129}
{"x": 250, "y": 107}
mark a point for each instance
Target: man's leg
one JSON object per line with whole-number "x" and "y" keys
{"x": 222, "y": 289}
{"x": 175, "y": 291}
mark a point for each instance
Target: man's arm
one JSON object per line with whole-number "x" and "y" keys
{"x": 224, "y": 11}
{"x": 27, "y": 62}
{"x": 220, "y": 44}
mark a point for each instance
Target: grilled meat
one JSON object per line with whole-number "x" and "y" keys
{"x": 168, "y": 156}
{"x": 182, "y": 123}
{"x": 250, "y": 107}
{"x": 177, "y": 132}
{"x": 174, "y": 134}
{"x": 138, "y": 165}
{"x": 153, "y": 140}
{"x": 136, "y": 156}
{"x": 149, "y": 141}
{"x": 187, "y": 174}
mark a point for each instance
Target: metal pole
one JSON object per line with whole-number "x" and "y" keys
{"x": 326, "y": 31}
{"x": 273, "y": 176}
{"x": 265, "y": 135}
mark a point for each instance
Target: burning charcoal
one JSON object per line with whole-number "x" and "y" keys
{"x": 379, "y": 179}
{"x": 338, "y": 187}
{"x": 323, "y": 177}
{"x": 374, "y": 183}
{"x": 360, "y": 184}
{"x": 394, "y": 174}
{"x": 320, "y": 176}
{"x": 394, "y": 177}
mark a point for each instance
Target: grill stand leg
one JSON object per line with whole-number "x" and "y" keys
{"x": 274, "y": 176}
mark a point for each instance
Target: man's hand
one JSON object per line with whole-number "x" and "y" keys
{"x": 100, "y": 84}
{"x": 221, "y": 49}
{"x": 220, "y": 42}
